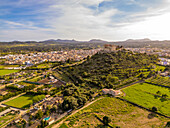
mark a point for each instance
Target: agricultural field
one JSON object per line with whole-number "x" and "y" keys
{"x": 147, "y": 96}
{"x": 160, "y": 80}
{"x": 21, "y": 102}
{"x": 7, "y": 66}
{"x": 121, "y": 113}
{"x": 6, "y": 118}
{"x": 6, "y": 71}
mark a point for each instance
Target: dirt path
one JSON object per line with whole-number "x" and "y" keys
{"x": 58, "y": 125}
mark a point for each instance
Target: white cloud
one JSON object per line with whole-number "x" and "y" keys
{"x": 73, "y": 19}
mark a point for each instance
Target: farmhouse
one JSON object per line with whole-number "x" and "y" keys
{"x": 111, "y": 92}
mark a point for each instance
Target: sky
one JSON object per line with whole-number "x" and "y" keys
{"x": 110, "y": 20}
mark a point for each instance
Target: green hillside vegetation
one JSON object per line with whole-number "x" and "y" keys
{"x": 111, "y": 69}
{"x": 148, "y": 95}
{"x": 121, "y": 113}
{"x": 104, "y": 70}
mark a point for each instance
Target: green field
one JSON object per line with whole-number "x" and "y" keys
{"x": 21, "y": 102}
{"x": 6, "y": 72}
{"x": 121, "y": 113}
{"x": 143, "y": 94}
{"x": 7, "y": 66}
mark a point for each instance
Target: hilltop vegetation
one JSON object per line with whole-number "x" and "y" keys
{"x": 104, "y": 70}
{"x": 108, "y": 70}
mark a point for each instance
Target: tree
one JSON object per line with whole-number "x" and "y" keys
{"x": 106, "y": 120}
{"x": 154, "y": 109}
{"x": 30, "y": 117}
{"x": 168, "y": 124}
{"x": 54, "y": 108}
{"x": 47, "y": 112}
{"x": 164, "y": 95}
{"x": 39, "y": 114}
{"x": 158, "y": 93}
{"x": 30, "y": 122}
{"x": 24, "y": 123}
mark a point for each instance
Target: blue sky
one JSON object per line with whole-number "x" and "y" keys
{"x": 84, "y": 19}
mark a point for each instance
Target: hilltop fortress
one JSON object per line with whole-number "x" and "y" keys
{"x": 111, "y": 48}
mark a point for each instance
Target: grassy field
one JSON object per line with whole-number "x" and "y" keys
{"x": 121, "y": 113}
{"x": 21, "y": 102}
{"x": 6, "y": 72}
{"x": 140, "y": 94}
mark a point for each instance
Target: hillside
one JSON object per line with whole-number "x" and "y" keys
{"x": 104, "y": 70}
{"x": 112, "y": 69}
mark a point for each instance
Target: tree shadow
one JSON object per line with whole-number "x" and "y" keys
{"x": 156, "y": 97}
{"x": 102, "y": 125}
{"x": 151, "y": 115}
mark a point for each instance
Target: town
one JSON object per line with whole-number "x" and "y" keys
{"x": 36, "y": 58}
{"x": 32, "y": 94}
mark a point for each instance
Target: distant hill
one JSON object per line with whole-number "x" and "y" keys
{"x": 128, "y": 43}
{"x": 60, "y": 44}
{"x": 138, "y": 40}
{"x": 140, "y": 43}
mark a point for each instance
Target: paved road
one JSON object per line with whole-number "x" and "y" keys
{"x": 57, "y": 125}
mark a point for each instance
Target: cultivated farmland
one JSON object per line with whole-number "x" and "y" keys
{"x": 147, "y": 96}
{"x": 121, "y": 113}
